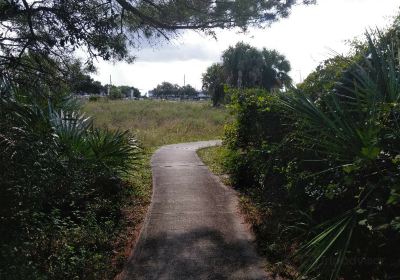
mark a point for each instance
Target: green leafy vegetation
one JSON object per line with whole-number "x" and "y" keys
{"x": 64, "y": 184}
{"x": 244, "y": 66}
{"x": 213, "y": 82}
{"x": 247, "y": 67}
{"x": 318, "y": 167}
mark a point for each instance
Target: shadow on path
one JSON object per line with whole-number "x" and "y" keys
{"x": 199, "y": 254}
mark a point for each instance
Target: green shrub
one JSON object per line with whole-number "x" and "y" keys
{"x": 325, "y": 172}
{"x": 62, "y": 190}
{"x": 262, "y": 158}
{"x": 94, "y": 98}
{"x": 355, "y": 133}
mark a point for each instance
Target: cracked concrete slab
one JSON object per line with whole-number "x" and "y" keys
{"x": 193, "y": 229}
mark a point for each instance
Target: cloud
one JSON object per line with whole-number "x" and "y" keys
{"x": 188, "y": 46}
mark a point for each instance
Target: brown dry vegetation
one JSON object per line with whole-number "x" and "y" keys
{"x": 157, "y": 123}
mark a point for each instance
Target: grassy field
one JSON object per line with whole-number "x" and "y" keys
{"x": 157, "y": 123}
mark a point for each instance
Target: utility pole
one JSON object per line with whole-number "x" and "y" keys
{"x": 109, "y": 87}
{"x": 301, "y": 77}
{"x": 184, "y": 84}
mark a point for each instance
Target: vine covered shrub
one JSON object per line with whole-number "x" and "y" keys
{"x": 261, "y": 161}
{"x": 256, "y": 134}
{"x": 325, "y": 172}
{"x": 62, "y": 190}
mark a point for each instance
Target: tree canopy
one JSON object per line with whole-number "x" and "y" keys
{"x": 275, "y": 70}
{"x": 82, "y": 83}
{"x": 118, "y": 92}
{"x": 243, "y": 65}
{"x": 165, "y": 89}
{"x": 109, "y": 28}
{"x": 246, "y": 67}
{"x": 213, "y": 83}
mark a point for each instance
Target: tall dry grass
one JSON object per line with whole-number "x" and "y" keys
{"x": 157, "y": 123}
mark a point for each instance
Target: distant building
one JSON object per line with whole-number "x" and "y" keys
{"x": 199, "y": 96}
{"x": 203, "y": 96}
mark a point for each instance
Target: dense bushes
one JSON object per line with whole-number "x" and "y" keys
{"x": 61, "y": 192}
{"x": 324, "y": 168}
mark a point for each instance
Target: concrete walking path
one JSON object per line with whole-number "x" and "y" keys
{"x": 192, "y": 230}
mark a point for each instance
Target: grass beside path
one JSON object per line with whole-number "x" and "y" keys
{"x": 133, "y": 210}
{"x": 213, "y": 157}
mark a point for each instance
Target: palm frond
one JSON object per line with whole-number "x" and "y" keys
{"x": 116, "y": 151}
{"x": 70, "y": 128}
{"x": 329, "y": 246}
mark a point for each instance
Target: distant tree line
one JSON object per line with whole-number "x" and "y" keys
{"x": 167, "y": 90}
{"x": 118, "y": 92}
{"x": 82, "y": 84}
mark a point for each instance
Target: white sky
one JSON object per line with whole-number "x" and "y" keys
{"x": 308, "y": 36}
